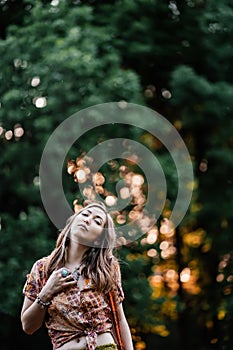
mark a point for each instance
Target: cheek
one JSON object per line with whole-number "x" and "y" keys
{"x": 98, "y": 231}
{"x": 73, "y": 227}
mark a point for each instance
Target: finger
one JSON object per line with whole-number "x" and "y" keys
{"x": 70, "y": 283}
{"x": 68, "y": 277}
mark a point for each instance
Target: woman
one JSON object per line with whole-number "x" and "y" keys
{"x": 69, "y": 289}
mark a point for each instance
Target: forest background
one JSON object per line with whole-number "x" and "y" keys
{"x": 175, "y": 57}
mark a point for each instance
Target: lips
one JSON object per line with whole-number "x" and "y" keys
{"x": 82, "y": 226}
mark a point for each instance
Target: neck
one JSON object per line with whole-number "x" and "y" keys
{"x": 75, "y": 254}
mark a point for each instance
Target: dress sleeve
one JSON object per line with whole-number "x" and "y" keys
{"x": 35, "y": 280}
{"x": 117, "y": 287}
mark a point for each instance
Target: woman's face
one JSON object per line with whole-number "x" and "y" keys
{"x": 88, "y": 225}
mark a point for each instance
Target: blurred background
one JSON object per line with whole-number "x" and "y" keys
{"x": 175, "y": 57}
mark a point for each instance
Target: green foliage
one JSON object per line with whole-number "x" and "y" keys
{"x": 22, "y": 240}
{"x": 58, "y": 54}
{"x": 202, "y": 94}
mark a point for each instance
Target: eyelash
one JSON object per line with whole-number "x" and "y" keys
{"x": 96, "y": 220}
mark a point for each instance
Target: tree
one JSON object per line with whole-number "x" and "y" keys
{"x": 182, "y": 53}
{"x": 204, "y": 94}
{"x": 175, "y": 57}
{"x": 51, "y": 66}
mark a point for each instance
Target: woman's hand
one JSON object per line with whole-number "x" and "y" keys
{"x": 56, "y": 282}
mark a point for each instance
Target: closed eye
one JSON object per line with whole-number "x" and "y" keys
{"x": 98, "y": 222}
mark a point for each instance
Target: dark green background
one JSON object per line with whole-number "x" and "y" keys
{"x": 172, "y": 56}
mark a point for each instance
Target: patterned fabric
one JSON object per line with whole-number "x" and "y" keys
{"x": 74, "y": 313}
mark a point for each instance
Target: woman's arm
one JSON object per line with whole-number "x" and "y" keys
{"x": 124, "y": 328}
{"x": 32, "y": 314}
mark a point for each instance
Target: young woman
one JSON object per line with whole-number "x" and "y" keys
{"x": 69, "y": 289}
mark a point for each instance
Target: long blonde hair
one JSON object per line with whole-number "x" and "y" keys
{"x": 98, "y": 263}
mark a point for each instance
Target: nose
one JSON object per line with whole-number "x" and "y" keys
{"x": 87, "y": 220}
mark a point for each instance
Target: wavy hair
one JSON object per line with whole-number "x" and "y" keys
{"x": 97, "y": 262}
